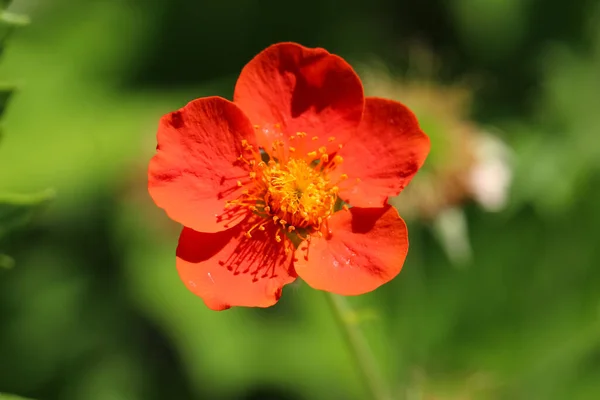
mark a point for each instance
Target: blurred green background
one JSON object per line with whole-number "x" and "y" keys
{"x": 94, "y": 309}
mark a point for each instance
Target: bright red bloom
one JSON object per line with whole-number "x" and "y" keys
{"x": 260, "y": 183}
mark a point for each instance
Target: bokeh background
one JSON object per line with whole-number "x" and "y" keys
{"x": 498, "y": 299}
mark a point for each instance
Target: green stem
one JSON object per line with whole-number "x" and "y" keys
{"x": 358, "y": 347}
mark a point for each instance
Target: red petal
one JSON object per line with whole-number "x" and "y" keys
{"x": 387, "y": 151}
{"x": 365, "y": 249}
{"x": 228, "y": 269}
{"x": 195, "y": 168}
{"x": 303, "y": 90}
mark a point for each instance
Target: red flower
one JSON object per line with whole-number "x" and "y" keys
{"x": 258, "y": 183}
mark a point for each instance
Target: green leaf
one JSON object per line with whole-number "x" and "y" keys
{"x": 8, "y": 22}
{"x": 17, "y": 210}
{"x": 4, "y": 396}
{"x": 13, "y": 20}
{"x": 6, "y": 92}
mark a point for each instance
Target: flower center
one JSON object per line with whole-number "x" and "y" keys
{"x": 292, "y": 190}
{"x": 299, "y": 193}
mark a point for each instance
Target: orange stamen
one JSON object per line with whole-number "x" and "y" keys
{"x": 292, "y": 193}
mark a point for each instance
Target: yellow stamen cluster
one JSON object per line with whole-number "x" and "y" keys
{"x": 293, "y": 190}
{"x": 298, "y": 193}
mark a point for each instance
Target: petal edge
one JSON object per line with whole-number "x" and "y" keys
{"x": 388, "y": 150}
{"x": 195, "y": 169}
{"x": 301, "y": 89}
{"x": 366, "y": 249}
{"x": 226, "y": 269}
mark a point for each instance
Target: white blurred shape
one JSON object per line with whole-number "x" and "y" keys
{"x": 450, "y": 227}
{"x": 491, "y": 176}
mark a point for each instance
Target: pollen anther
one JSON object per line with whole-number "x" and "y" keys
{"x": 290, "y": 193}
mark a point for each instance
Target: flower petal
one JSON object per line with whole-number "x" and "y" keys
{"x": 289, "y": 88}
{"x": 228, "y": 269}
{"x": 195, "y": 169}
{"x": 365, "y": 249}
{"x": 387, "y": 151}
